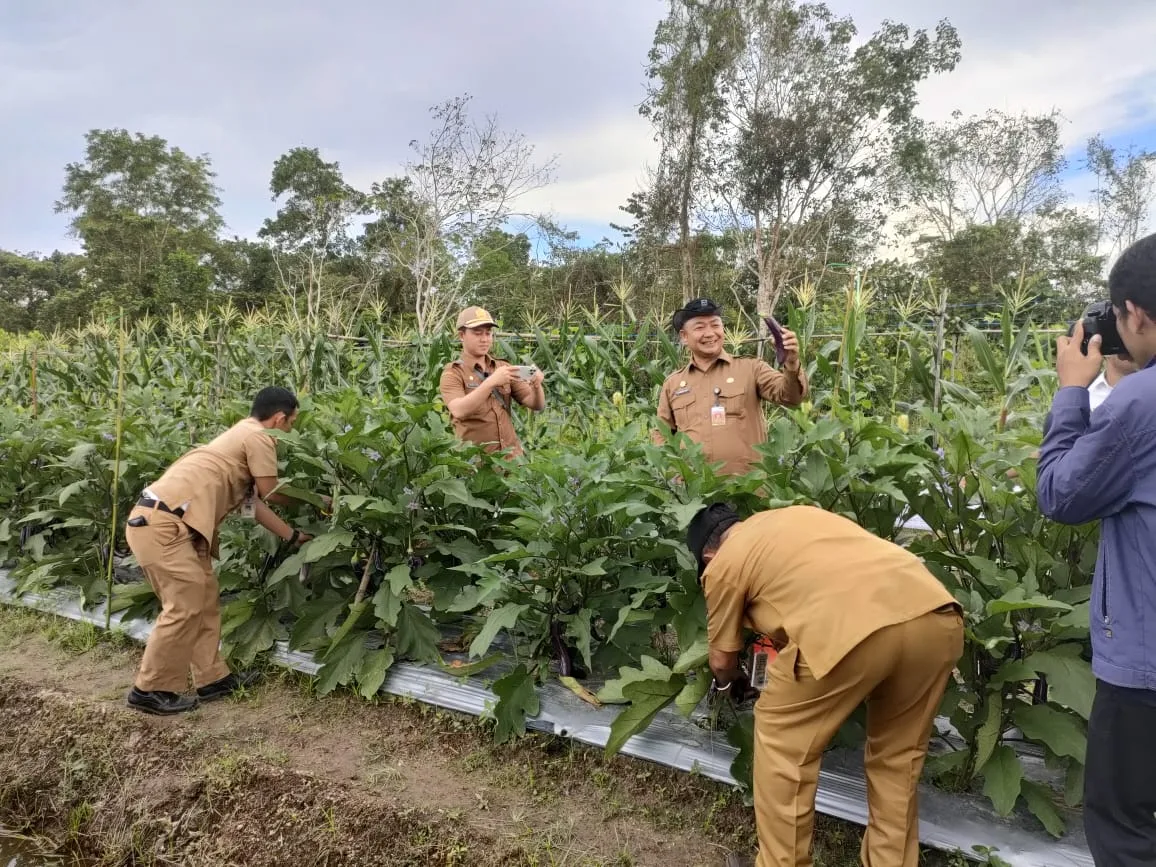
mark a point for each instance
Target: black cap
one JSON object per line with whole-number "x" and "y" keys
{"x": 697, "y": 307}
{"x": 704, "y": 525}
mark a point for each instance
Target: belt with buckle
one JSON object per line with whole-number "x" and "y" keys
{"x": 149, "y": 503}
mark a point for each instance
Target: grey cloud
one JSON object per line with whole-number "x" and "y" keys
{"x": 246, "y": 81}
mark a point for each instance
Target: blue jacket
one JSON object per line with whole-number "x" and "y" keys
{"x": 1102, "y": 466}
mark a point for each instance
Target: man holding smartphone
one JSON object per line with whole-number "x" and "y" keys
{"x": 479, "y": 390}
{"x": 1102, "y": 466}
{"x": 717, "y": 399}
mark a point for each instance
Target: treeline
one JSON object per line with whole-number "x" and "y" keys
{"x": 793, "y": 166}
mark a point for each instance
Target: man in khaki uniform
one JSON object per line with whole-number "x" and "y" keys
{"x": 858, "y": 619}
{"x": 173, "y": 531}
{"x": 478, "y": 389}
{"x": 716, "y": 398}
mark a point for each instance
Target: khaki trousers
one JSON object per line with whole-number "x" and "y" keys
{"x": 187, "y": 634}
{"x": 901, "y": 672}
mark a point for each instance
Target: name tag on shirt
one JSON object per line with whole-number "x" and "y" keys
{"x": 682, "y": 391}
{"x": 718, "y": 416}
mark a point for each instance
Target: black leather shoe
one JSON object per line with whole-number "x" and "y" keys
{"x": 159, "y": 702}
{"x": 227, "y": 685}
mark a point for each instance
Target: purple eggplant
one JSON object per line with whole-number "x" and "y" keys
{"x": 777, "y": 335}
{"x": 561, "y": 651}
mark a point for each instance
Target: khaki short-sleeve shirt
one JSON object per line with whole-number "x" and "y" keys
{"x": 818, "y": 579}
{"x": 212, "y": 480}
{"x": 491, "y": 426}
{"x": 738, "y": 385}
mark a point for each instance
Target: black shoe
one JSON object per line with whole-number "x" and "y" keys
{"x": 734, "y": 859}
{"x": 160, "y": 702}
{"x": 227, "y": 685}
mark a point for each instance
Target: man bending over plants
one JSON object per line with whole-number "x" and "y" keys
{"x": 172, "y": 530}
{"x": 858, "y": 619}
{"x": 1102, "y": 466}
{"x": 478, "y": 389}
{"x": 716, "y": 400}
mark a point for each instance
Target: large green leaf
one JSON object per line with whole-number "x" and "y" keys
{"x": 1070, "y": 679}
{"x": 741, "y": 736}
{"x": 693, "y": 657}
{"x": 1002, "y": 779}
{"x": 1074, "y": 784}
{"x": 684, "y": 512}
{"x": 417, "y": 636}
{"x": 612, "y": 691}
{"x": 326, "y": 544}
{"x": 693, "y": 693}
{"x": 501, "y": 618}
{"x": 1063, "y": 733}
{"x": 341, "y": 661}
{"x": 75, "y": 488}
{"x": 388, "y": 599}
{"x": 989, "y": 733}
{"x": 1017, "y": 600}
{"x": 1039, "y": 801}
{"x": 373, "y": 671}
{"x": 300, "y": 494}
{"x": 647, "y": 698}
{"x": 316, "y": 616}
{"x": 517, "y": 699}
{"x": 454, "y": 491}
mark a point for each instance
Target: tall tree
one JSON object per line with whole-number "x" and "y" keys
{"x": 312, "y": 230}
{"x": 693, "y": 47}
{"x": 500, "y": 269}
{"x": 805, "y": 146}
{"x": 30, "y": 285}
{"x": 980, "y": 170}
{"x": 1123, "y": 195}
{"x": 147, "y": 216}
{"x": 1052, "y": 257}
{"x": 464, "y": 182}
{"x": 246, "y": 272}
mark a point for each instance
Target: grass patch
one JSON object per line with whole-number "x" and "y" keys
{"x": 72, "y": 636}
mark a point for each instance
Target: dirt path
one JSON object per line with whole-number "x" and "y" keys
{"x": 282, "y": 777}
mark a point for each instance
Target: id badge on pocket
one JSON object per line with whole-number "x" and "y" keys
{"x": 718, "y": 415}
{"x": 249, "y": 508}
{"x": 762, "y": 655}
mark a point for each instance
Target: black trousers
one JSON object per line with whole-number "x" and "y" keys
{"x": 1120, "y": 777}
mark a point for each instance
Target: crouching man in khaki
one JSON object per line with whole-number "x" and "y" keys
{"x": 861, "y": 620}
{"x": 173, "y": 533}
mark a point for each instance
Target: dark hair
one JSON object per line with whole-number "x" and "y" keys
{"x": 1133, "y": 277}
{"x": 704, "y": 533}
{"x": 272, "y": 400}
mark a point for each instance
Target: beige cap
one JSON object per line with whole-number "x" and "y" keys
{"x": 472, "y": 317}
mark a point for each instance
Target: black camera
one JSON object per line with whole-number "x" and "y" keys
{"x": 1100, "y": 318}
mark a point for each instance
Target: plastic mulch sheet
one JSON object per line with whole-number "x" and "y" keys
{"x": 947, "y": 821}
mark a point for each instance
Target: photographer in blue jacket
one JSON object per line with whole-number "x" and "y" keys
{"x": 1102, "y": 466}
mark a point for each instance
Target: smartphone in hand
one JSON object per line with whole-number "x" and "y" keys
{"x": 525, "y": 371}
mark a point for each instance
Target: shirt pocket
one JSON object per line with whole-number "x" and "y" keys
{"x": 733, "y": 396}
{"x": 682, "y": 407}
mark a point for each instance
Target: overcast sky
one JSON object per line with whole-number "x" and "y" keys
{"x": 246, "y": 80}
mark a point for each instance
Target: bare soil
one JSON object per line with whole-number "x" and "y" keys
{"x": 282, "y": 777}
